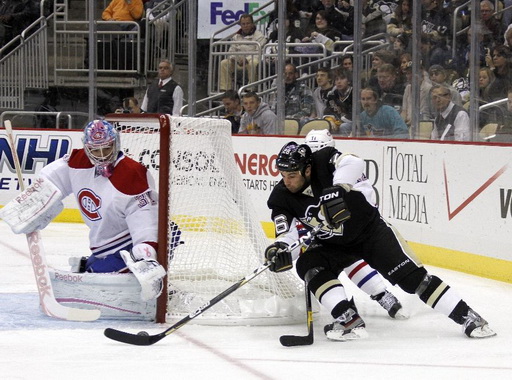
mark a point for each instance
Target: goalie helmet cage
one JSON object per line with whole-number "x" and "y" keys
{"x": 201, "y": 189}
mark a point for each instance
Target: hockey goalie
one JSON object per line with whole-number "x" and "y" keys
{"x": 117, "y": 199}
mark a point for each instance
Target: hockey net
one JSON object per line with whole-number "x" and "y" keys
{"x": 202, "y": 191}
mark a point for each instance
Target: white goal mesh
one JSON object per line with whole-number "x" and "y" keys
{"x": 223, "y": 240}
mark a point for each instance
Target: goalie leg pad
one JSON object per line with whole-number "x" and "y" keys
{"x": 148, "y": 272}
{"x": 34, "y": 208}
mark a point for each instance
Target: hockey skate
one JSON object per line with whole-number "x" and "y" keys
{"x": 391, "y": 304}
{"x": 348, "y": 326}
{"x": 475, "y": 326}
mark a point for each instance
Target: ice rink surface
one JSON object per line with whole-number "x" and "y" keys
{"x": 426, "y": 346}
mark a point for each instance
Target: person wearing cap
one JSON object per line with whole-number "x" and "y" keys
{"x": 438, "y": 74}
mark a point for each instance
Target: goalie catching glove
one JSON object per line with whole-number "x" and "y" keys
{"x": 141, "y": 261}
{"x": 333, "y": 206}
{"x": 279, "y": 256}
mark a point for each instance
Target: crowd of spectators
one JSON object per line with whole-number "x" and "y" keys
{"x": 387, "y": 80}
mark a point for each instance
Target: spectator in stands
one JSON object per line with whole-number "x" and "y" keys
{"x": 334, "y": 18}
{"x": 340, "y": 19}
{"x": 234, "y": 109}
{"x": 486, "y": 79}
{"x": 491, "y": 27}
{"x": 500, "y": 64}
{"x": 379, "y": 58}
{"x": 438, "y": 75}
{"x": 324, "y": 83}
{"x": 49, "y": 104}
{"x": 130, "y": 105}
{"x": 164, "y": 95}
{"x": 507, "y": 36}
{"x": 380, "y": 120}
{"x": 347, "y": 11}
{"x": 425, "y": 108}
{"x": 249, "y": 58}
{"x": 322, "y": 32}
{"x": 452, "y": 121}
{"x": 435, "y": 20}
{"x": 298, "y": 102}
{"x": 405, "y": 61}
{"x": 293, "y": 35}
{"x": 436, "y": 30}
{"x": 291, "y": 11}
{"x": 347, "y": 63}
{"x": 258, "y": 117}
{"x": 339, "y": 103}
{"x": 504, "y": 130}
{"x": 15, "y": 16}
{"x": 123, "y": 10}
{"x": 155, "y": 14}
{"x": 390, "y": 89}
{"x": 306, "y": 9}
{"x": 400, "y": 22}
{"x": 373, "y": 21}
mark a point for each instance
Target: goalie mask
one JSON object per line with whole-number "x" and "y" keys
{"x": 294, "y": 158}
{"x": 102, "y": 146}
{"x": 317, "y": 139}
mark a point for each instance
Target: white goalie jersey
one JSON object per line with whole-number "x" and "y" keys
{"x": 119, "y": 210}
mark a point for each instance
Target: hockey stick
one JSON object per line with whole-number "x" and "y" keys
{"x": 298, "y": 340}
{"x": 49, "y": 304}
{"x": 144, "y": 339}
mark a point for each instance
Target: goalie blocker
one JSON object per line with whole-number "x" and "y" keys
{"x": 34, "y": 208}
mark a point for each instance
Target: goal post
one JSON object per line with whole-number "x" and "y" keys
{"x": 201, "y": 190}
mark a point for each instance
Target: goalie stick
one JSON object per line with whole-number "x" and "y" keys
{"x": 47, "y": 300}
{"x": 144, "y": 339}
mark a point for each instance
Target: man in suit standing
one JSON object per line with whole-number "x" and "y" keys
{"x": 164, "y": 95}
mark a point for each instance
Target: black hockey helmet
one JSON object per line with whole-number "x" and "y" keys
{"x": 294, "y": 157}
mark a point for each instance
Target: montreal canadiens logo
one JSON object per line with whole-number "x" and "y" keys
{"x": 89, "y": 203}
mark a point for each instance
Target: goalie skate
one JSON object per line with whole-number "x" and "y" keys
{"x": 391, "y": 304}
{"x": 476, "y": 327}
{"x": 348, "y": 326}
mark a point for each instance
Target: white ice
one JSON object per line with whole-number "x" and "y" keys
{"x": 426, "y": 346}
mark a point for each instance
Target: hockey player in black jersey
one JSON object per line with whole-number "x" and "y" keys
{"x": 330, "y": 187}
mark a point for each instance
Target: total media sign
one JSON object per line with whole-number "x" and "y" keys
{"x": 215, "y": 15}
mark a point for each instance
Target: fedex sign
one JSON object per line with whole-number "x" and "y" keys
{"x": 227, "y": 16}
{"x": 214, "y": 15}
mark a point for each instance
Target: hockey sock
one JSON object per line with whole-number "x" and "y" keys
{"x": 441, "y": 297}
{"x": 327, "y": 289}
{"x": 366, "y": 278}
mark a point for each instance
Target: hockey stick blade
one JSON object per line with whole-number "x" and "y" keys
{"x": 147, "y": 340}
{"x": 298, "y": 340}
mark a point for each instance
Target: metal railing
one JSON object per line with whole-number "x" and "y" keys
{"x": 33, "y": 119}
{"x": 24, "y": 64}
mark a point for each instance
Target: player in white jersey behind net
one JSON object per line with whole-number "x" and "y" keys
{"x": 361, "y": 274}
{"x": 117, "y": 200}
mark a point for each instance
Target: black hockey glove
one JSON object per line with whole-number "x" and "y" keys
{"x": 279, "y": 256}
{"x": 333, "y": 206}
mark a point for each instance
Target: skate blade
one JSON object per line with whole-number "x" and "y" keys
{"x": 343, "y": 335}
{"x": 401, "y": 315}
{"x": 482, "y": 332}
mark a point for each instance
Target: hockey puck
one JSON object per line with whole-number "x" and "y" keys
{"x": 143, "y": 333}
